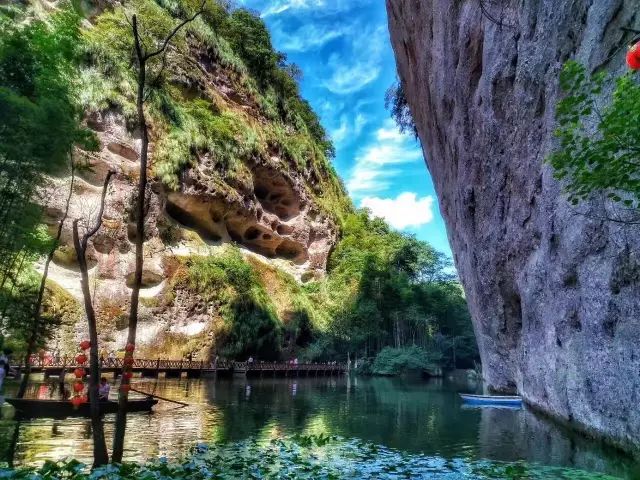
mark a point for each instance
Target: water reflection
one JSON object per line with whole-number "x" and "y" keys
{"x": 415, "y": 417}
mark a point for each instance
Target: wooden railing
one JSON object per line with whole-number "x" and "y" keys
{"x": 160, "y": 364}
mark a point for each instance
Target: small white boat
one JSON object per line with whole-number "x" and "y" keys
{"x": 497, "y": 400}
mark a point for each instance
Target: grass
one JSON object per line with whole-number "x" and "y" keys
{"x": 191, "y": 121}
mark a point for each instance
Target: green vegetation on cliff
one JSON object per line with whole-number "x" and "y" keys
{"x": 221, "y": 92}
{"x": 385, "y": 293}
{"x": 221, "y": 97}
{"x": 598, "y": 150}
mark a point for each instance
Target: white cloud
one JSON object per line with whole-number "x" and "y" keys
{"x": 406, "y": 210}
{"x": 379, "y": 163}
{"x": 349, "y": 129}
{"x": 358, "y": 65}
{"x": 311, "y": 36}
{"x": 281, "y": 6}
{"x": 338, "y": 135}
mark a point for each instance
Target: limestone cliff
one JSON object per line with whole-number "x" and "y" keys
{"x": 554, "y": 291}
{"x": 227, "y": 167}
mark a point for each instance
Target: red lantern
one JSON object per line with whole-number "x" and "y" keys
{"x": 84, "y": 399}
{"x": 130, "y": 347}
{"x": 633, "y": 57}
{"x": 79, "y": 372}
{"x": 78, "y": 387}
{"x": 77, "y": 401}
{"x": 81, "y": 359}
{"x": 85, "y": 344}
{"x": 128, "y": 361}
{"x": 125, "y": 388}
{"x": 127, "y": 375}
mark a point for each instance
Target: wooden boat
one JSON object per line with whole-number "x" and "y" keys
{"x": 496, "y": 400}
{"x": 64, "y": 408}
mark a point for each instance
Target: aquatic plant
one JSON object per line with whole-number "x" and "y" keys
{"x": 300, "y": 457}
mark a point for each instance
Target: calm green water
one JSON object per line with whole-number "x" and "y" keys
{"x": 414, "y": 417}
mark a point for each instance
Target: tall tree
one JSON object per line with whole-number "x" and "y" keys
{"x": 143, "y": 58}
{"x": 100, "y": 455}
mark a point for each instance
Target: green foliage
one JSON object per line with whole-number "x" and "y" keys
{"x": 187, "y": 129}
{"x": 396, "y": 102}
{"x": 385, "y": 289}
{"x": 393, "y": 361}
{"x": 598, "y": 148}
{"x": 230, "y": 283}
{"x": 39, "y": 125}
{"x": 303, "y": 458}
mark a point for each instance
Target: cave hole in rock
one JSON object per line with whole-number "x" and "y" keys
{"x": 251, "y": 234}
{"x": 123, "y": 151}
{"x": 290, "y": 250}
{"x": 103, "y": 243}
{"x": 149, "y": 279}
{"x": 275, "y": 193}
{"x": 283, "y": 229}
{"x": 96, "y": 122}
{"x": 187, "y": 218}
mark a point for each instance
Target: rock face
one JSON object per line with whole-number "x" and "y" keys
{"x": 554, "y": 291}
{"x": 272, "y": 215}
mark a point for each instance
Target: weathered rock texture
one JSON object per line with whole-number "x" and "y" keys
{"x": 272, "y": 215}
{"x": 554, "y": 291}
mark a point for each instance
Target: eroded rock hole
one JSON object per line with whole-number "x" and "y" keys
{"x": 123, "y": 151}
{"x": 252, "y": 233}
{"x": 149, "y": 279}
{"x": 191, "y": 220}
{"x": 291, "y": 251}
{"x": 284, "y": 229}
{"x": 275, "y": 193}
{"x": 104, "y": 243}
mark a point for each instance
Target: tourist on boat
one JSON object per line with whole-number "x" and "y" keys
{"x": 103, "y": 389}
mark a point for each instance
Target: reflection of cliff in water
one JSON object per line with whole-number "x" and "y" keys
{"x": 412, "y": 416}
{"x": 512, "y": 435}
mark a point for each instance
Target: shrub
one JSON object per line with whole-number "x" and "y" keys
{"x": 393, "y": 361}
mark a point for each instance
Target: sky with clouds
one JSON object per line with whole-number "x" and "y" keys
{"x": 344, "y": 51}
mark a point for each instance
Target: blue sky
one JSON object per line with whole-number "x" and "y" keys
{"x": 344, "y": 51}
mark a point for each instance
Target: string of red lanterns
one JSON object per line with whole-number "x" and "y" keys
{"x": 128, "y": 368}
{"x": 80, "y": 396}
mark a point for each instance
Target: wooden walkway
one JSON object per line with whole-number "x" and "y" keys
{"x": 192, "y": 369}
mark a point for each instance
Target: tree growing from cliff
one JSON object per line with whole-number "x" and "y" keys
{"x": 146, "y": 61}
{"x": 598, "y": 140}
{"x": 100, "y": 455}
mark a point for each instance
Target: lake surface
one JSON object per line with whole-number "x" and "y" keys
{"x": 415, "y": 417}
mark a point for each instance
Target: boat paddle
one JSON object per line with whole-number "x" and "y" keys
{"x": 159, "y": 397}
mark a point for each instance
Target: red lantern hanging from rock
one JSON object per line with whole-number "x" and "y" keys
{"x": 633, "y": 57}
{"x": 77, "y": 401}
{"x": 85, "y": 344}
{"x": 78, "y": 387}
{"x": 79, "y": 372}
{"x": 81, "y": 359}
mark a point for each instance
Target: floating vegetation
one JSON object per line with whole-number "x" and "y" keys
{"x": 301, "y": 457}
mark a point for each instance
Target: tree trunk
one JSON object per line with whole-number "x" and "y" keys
{"x": 121, "y": 418}
{"x": 142, "y": 57}
{"x": 100, "y": 455}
